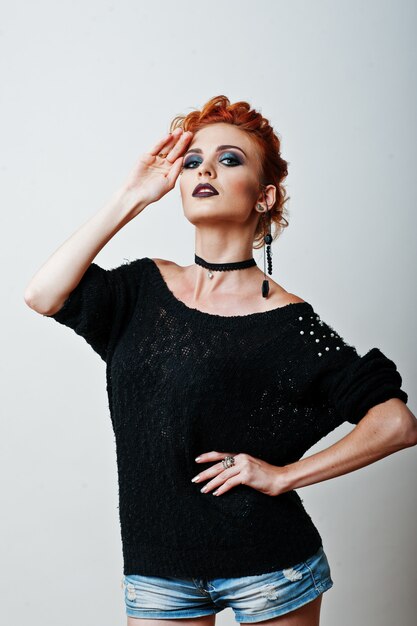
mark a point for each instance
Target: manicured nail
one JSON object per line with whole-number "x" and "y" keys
{"x": 193, "y": 480}
{"x": 198, "y": 458}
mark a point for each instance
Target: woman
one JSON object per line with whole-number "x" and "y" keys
{"x": 219, "y": 381}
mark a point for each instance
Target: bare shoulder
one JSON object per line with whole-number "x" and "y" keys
{"x": 292, "y": 298}
{"x": 166, "y": 264}
{"x": 162, "y": 262}
{"x": 281, "y": 296}
{"x": 169, "y": 269}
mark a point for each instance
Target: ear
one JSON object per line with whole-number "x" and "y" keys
{"x": 268, "y": 191}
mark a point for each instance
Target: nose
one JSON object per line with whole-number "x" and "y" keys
{"x": 205, "y": 168}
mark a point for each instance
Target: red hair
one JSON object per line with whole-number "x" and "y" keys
{"x": 272, "y": 167}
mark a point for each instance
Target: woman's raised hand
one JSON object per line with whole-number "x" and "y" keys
{"x": 153, "y": 176}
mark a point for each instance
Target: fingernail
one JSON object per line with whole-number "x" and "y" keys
{"x": 198, "y": 458}
{"x": 193, "y": 480}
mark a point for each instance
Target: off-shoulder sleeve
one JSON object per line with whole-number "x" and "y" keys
{"x": 344, "y": 381}
{"x": 102, "y": 303}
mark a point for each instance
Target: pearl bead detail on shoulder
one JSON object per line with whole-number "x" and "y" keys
{"x": 332, "y": 339}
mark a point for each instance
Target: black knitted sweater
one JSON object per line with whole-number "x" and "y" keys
{"x": 182, "y": 382}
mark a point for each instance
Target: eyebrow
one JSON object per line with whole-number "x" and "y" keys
{"x": 199, "y": 151}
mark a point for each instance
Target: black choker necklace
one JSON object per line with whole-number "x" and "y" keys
{"x": 223, "y": 267}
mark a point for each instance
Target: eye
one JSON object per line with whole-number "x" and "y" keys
{"x": 190, "y": 162}
{"x": 230, "y": 157}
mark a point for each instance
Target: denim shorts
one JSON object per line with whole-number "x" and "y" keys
{"x": 252, "y": 598}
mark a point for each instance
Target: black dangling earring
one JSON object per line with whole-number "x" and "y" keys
{"x": 267, "y": 250}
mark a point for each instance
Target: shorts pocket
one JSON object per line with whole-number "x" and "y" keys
{"x": 319, "y": 569}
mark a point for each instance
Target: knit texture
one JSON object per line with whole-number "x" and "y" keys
{"x": 182, "y": 382}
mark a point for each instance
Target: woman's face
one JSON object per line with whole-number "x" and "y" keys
{"x": 233, "y": 171}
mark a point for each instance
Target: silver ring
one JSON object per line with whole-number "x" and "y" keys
{"x": 228, "y": 461}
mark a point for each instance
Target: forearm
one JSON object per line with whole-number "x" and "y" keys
{"x": 376, "y": 436}
{"x": 63, "y": 270}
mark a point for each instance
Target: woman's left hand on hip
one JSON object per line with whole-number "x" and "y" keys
{"x": 247, "y": 470}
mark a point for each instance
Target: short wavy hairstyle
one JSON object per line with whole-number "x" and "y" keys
{"x": 272, "y": 167}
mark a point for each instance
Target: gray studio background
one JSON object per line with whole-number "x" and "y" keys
{"x": 87, "y": 87}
